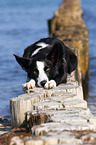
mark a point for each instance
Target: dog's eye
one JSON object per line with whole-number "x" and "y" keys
{"x": 47, "y": 69}
{"x": 35, "y": 72}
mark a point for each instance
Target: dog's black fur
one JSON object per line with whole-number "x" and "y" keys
{"x": 58, "y": 60}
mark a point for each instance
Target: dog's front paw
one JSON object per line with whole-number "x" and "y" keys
{"x": 50, "y": 84}
{"x": 28, "y": 85}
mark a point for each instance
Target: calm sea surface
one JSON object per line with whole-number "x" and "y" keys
{"x": 22, "y": 22}
{"x": 89, "y": 8}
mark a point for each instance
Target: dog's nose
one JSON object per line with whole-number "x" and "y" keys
{"x": 43, "y": 83}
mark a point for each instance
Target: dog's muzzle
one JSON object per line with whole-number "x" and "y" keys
{"x": 43, "y": 83}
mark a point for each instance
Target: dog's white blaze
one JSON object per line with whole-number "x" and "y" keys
{"x": 42, "y": 45}
{"x": 42, "y": 75}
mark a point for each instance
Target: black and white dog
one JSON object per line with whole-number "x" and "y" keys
{"x": 47, "y": 63}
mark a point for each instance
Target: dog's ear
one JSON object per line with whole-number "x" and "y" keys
{"x": 72, "y": 63}
{"x": 56, "y": 53}
{"x": 23, "y": 62}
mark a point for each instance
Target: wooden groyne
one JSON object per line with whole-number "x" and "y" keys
{"x": 68, "y": 26}
{"x": 58, "y": 116}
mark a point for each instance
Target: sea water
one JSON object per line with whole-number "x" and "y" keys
{"x": 89, "y": 16}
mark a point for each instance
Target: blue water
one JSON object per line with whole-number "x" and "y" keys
{"x": 22, "y": 22}
{"x": 89, "y": 8}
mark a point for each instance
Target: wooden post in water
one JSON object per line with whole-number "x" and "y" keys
{"x": 68, "y": 26}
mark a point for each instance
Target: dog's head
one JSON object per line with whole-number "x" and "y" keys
{"x": 55, "y": 65}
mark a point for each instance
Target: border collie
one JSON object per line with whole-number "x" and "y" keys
{"x": 47, "y": 63}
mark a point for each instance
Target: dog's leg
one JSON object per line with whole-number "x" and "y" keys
{"x": 28, "y": 85}
{"x": 50, "y": 84}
